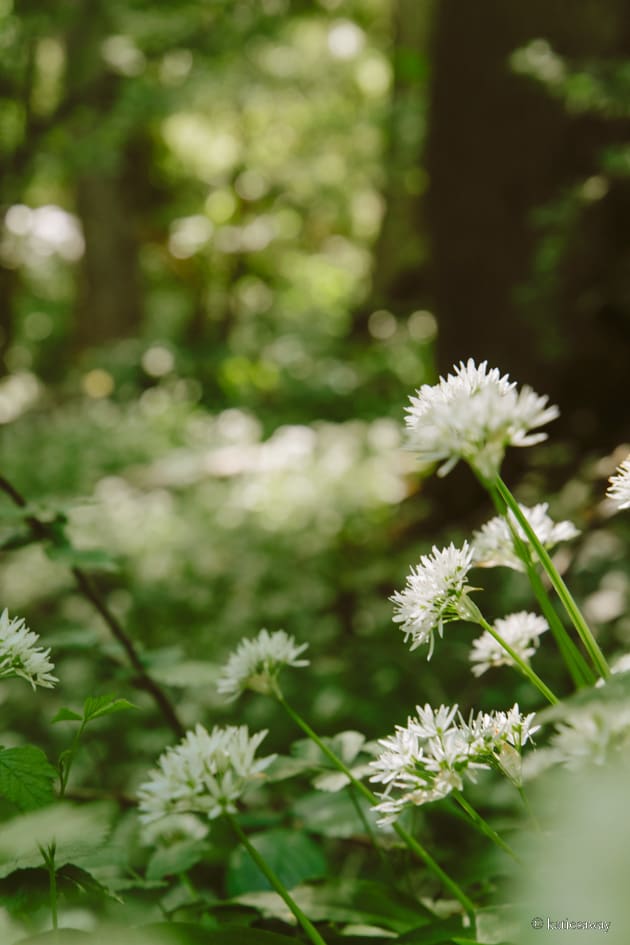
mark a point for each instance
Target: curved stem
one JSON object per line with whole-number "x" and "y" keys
{"x": 522, "y": 665}
{"x": 580, "y": 671}
{"x": 410, "y": 841}
{"x": 563, "y": 592}
{"x": 279, "y": 887}
{"x": 483, "y": 825}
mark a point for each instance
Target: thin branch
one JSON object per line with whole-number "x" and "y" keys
{"x": 88, "y": 588}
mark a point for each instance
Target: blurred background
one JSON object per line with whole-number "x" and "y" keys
{"x": 235, "y": 236}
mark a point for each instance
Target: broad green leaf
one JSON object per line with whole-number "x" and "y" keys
{"x": 67, "y": 715}
{"x": 350, "y": 901}
{"x": 291, "y": 855}
{"x": 160, "y": 933}
{"x": 99, "y": 706}
{"x": 175, "y": 859}
{"x": 438, "y": 932}
{"x": 333, "y": 815}
{"x": 76, "y": 832}
{"x": 26, "y": 777}
{"x": 82, "y": 879}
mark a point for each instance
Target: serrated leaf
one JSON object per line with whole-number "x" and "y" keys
{"x": 26, "y": 777}
{"x": 67, "y": 715}
{"x": 291, "y": 855}
{"x": 75, "y": 831}
{"x": 95, "y": 707}
{"x": 175, "y": 859}
{"x": 84, "y": 880}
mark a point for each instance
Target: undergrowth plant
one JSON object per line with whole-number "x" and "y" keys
{"x": 218, "y": 845}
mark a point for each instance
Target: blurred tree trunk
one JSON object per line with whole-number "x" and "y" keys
{"x": 498, "y": 148}
{"x": 109, "y": 299}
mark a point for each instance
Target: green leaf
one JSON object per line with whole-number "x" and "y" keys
{"x": 90, "y": 558}
{"x": 333, "y": 815}
{"x": 354, "y": 902}
{"x": 67, "y": 715}
{"x": 439, "y": 932}
{"x": 99, "y": 706}
{"x": 291, "y": 855}
{"x": 161, "y": 933}
{"x": 75, "y": 831}
{"x": 175, "y": 859}
{"x": 84, "y": 881}
{"x": 26, "y": 777}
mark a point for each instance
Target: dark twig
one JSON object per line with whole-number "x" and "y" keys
{"x": 88, "y": 588}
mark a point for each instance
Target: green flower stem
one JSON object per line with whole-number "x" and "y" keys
{"x": 584, "y": 632}
{"x": 282, "y": 891}
{"x": 410, "y": 841}
{"x": 369, "y": 831}
{"x": 580, "y": 671}
{"x": 49, "y": 861}
{"x": 483, "y": 825}
{"x": 522, "y": 665}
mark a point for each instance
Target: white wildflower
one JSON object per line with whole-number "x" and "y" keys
{"x": 592, "y": 735}
{"x": 619, "y": 488}
{"x": 257, "y": 662}
{"x": 20, "y": 657}
{"x": 436, "y": 593}
{"x": 493, "y": 545}
{"x": 206, "y": 773}
{"x": 427, "y": 759}
{"x": 521, "y": 631}
{"x": 474, "y": 414}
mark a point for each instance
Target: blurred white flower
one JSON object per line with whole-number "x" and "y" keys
{"x": 592, "y": 735}
{"x": 619, "y": 488}
{"x": 474, "y": 414}
{"x": 206, "y": 773}
{"x": 427, "y": 759}
{"x": 257, "y": 662}
{"x": 20, "y": 657}
{"x": 493, "y": 545}
{"x": 521, "y": 630}
{"x": 436, "y": 593}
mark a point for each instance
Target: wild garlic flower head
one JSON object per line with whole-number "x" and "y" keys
{"x": 619, "y": 488}
{"x": 521, "y": 630}
{"x": 20, "y": 657}
{"x": 206, "y": 773}
{"x": 256, "y": 663}
{"x": 493, "y": 546}
{"x": 436, "y": 593}
{"x": 427, "y": 758}
{"x": 474, "y": 414}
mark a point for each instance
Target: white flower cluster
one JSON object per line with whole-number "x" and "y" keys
{"x": 493, "y": 545}
{"x": 436, "y": 593}
{"x": 257, "y": 662}
{"x": 521, "y": 631}
{"x": 474, "y": 414}
{"x": 20, "y": 657}
{"x": 206, "y": 773}
{"x": 426, "y": 759}
{"x": 619, "y": 488}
